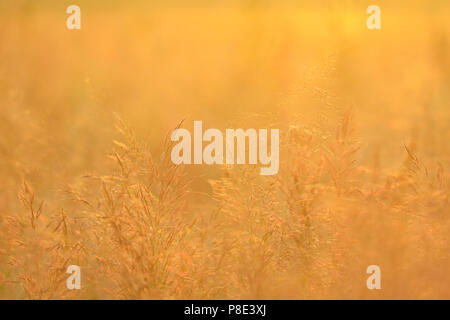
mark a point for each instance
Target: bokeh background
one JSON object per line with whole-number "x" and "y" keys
{"x": 364, "y": 119}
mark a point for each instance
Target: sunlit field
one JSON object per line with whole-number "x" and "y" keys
{"x": 87, "y": 178}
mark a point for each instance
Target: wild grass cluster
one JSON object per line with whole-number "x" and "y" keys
{"x": 87, "y": 177}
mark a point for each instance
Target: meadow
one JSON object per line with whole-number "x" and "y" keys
{"x": 86, "y": 175}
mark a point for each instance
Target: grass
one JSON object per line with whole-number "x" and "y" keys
{"x": 85, "y": 149}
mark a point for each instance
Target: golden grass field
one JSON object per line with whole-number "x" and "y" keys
{"x": 85, "y": 171}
